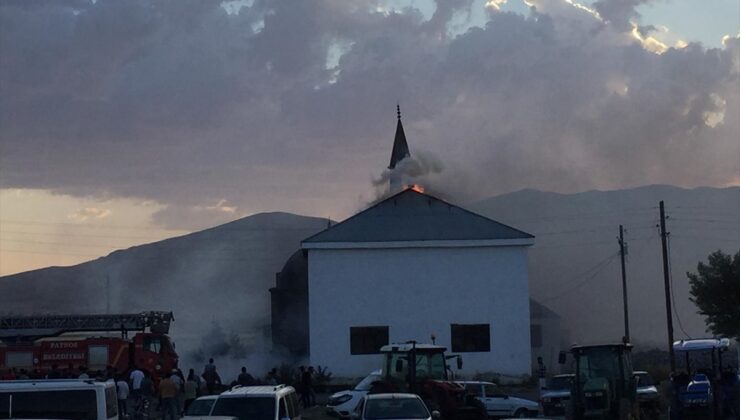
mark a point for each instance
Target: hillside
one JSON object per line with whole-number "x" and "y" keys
{"x": 573, "y": 267}
{"x": 220, "y": 275}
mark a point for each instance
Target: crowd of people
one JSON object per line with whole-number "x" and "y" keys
{"x": 170, "y": 393}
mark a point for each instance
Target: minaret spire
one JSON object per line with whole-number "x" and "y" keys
{"x": 400, "y": 147}
{"x": 399, "y": 153}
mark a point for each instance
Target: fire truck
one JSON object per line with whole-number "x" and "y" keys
{"x": 36, "y": 343}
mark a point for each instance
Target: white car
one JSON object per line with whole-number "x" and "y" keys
{"x": 343, "y": 403}
{"x": 248, "y": 403}
{"x": 499, "y": 404}
{"x": 393, "y": 407}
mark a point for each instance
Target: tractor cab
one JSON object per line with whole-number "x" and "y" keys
{"x": 604, "y": 386}
{"x": 408, "y": 365}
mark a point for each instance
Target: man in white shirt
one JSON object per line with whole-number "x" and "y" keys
{"x": 123, "y": 391}
{"x": 136, "y": 377}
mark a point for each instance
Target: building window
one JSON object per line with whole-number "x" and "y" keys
{"x": 471, "y": 338}
{"x": 367, "y": 340}
{"x": 535, "y": 336}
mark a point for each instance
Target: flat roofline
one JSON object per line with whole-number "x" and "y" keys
{"x": 473, "y": 243}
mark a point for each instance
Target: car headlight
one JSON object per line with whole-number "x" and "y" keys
{"x": 339, "y": 400}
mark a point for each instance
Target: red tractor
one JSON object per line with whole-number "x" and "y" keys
{"x": 36, "y": 343}
{"x": 422, "y": 369}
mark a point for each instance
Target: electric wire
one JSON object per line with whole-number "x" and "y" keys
{"x": 598, "y": 268}
{"x": 670, "y": 281}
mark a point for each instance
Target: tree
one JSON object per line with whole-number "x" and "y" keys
{"x": 715, "y": 289}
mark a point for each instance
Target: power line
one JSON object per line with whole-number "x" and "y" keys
{"x": 673, "y": 296}
{"x": 598, "y": 267}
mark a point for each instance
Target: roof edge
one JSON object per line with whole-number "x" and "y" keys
{"x": 448, "y": 243}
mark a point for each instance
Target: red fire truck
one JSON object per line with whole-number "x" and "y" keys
{"x": 36, "y": 343}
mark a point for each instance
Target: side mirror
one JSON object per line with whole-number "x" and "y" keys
{"x": 436, "y": 415}
{"x": 459, "y": 362}
{"x": 399, "y": 365}
{"x": 562, "y": 357}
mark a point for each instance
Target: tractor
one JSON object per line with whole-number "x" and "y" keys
{"x": 422, "y": 369}
{"x": 604, "y": 386}
{"x": 707, "y": 386}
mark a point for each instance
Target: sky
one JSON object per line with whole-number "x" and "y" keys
{"x": 128, "y": 122}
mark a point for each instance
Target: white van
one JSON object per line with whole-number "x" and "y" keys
{"x": 74, "y": 399}
{"x": 277, "y": 402}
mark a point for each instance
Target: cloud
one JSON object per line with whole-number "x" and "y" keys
{"x": 89, "y": 213}
{"x": 290, "y": 106}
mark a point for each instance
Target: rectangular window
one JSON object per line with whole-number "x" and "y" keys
{"x": 471, "y": 338}
{"x": 367, "y": 340}
{"x": 535, "y": 336}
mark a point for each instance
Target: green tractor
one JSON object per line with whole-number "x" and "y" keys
{"x": 604, "y": 386}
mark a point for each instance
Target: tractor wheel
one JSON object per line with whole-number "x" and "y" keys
{"x": 520, "y": 413}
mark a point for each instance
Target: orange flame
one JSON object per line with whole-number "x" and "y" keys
{"x": 416, "y": 187}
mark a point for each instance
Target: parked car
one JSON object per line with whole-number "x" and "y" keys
{"x": 393, "y": 407}
{"x": 58, "y": 399}
{"x": 248, "y": 403}
{"x": 647, "y": 395}
{"x": 343, "y": 403}
{"x": 556, "y": 397}
{"x": 201, "y": 408}
{"x": 499, "y": 404}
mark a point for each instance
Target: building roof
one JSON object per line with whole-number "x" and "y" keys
{"x": 400, "y": 146}
{"x": 412, "y": 216}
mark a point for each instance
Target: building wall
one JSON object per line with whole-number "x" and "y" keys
{"x": 417, "y": 292}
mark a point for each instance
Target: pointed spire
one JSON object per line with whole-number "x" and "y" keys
{"x": 400, "y": 147}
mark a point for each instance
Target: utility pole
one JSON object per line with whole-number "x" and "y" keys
{"x": 622, "y": 253}
{"x": 107, "y": 294}
{"x": 667, "y": 280}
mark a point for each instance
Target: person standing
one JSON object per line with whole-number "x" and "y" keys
{"x": 177, "y": 380}
{"x": 123, "y": 392}
{"x": 191, "y": 389}
{"x": 211, "y": 376}
{"x": 305, "y": 385}
{"x": 168, "y": 397}
{"x": 271, "y": 378}
{"x": 245, "y": 379}
{"x": 135, "y": 378}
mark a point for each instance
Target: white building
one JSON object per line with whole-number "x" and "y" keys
{"x": 413, "y": 266}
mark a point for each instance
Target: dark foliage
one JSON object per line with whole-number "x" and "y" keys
{"x": 715, "y": 289}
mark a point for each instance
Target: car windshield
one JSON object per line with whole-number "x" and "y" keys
{"x": 395, "y": 408}
{"x": 201, "y": 407}
{"x": 365, "y": 384}
{"x": 643, "y": 379}
{"x": 560, "y": 383}
{"x": 250, "y": 408}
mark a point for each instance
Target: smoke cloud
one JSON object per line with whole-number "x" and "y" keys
{"x": 190, "y": 103}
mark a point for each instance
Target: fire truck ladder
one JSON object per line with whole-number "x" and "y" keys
{"x": 32, "y": 327}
